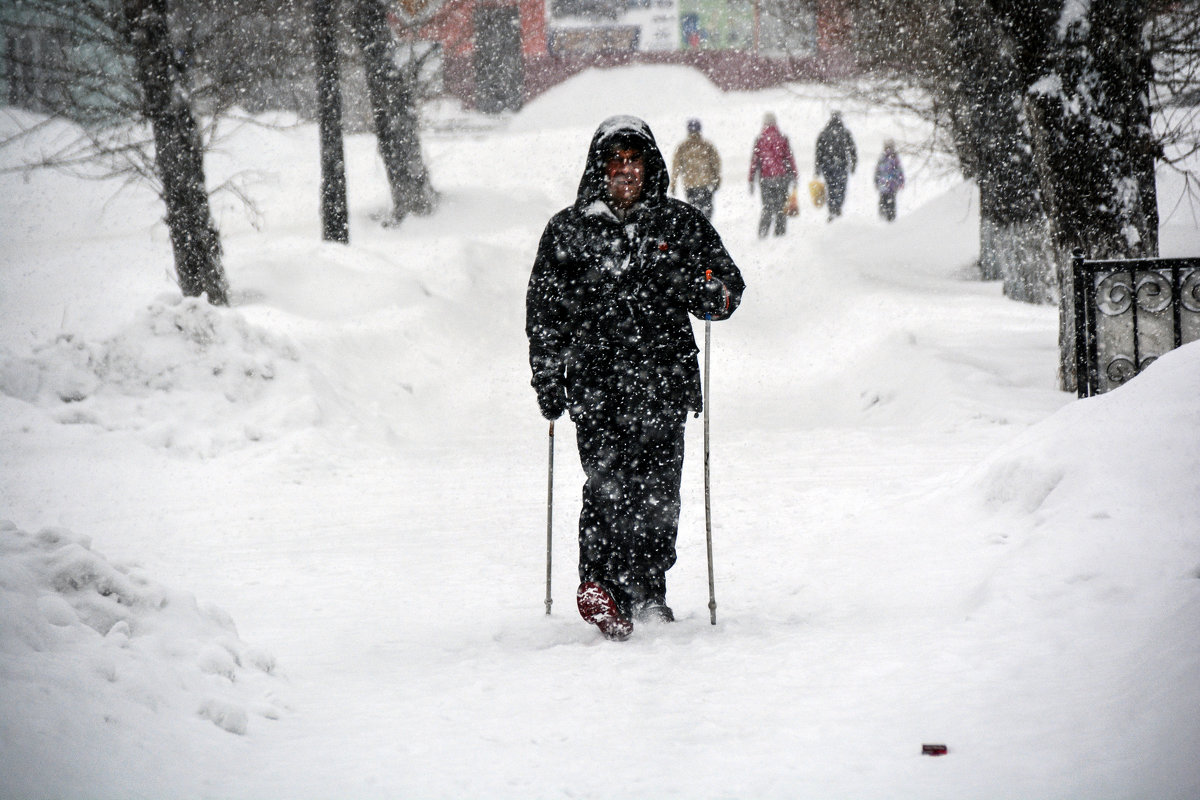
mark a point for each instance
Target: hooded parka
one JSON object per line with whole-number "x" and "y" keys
{"x": 608, "y": 300}
{"x": 836, "y": 157}
{"x": 607, "y": 321}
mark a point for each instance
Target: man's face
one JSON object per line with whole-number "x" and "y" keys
{"x": 626, "y": 174}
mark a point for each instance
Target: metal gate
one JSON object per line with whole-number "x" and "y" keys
{"x": 1130, "y": 312}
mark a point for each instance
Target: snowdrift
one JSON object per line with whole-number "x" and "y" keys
{"x": 92, "y": 651}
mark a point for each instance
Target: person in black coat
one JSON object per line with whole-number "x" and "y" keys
{"x": 836, "y": 157}
{"x": 610, "y": 341}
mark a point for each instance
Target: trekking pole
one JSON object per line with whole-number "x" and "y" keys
{"x": 549, "y": 518}
{"x": 712, "y": 596}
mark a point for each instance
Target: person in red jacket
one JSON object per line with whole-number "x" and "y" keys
{"x": 773, "y": 164}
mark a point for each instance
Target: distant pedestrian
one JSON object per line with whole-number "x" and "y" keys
{"x": 836, "y": 158}
{"x": 696, "y": 166}
{"x": 774, "y": 166}
{"x": 889, "y": 179}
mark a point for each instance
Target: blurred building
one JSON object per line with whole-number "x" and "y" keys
{"x": 494, "y": 55}
{"x": 497, "y": 54}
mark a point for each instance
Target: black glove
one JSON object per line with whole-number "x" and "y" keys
{"x": 714, "y": 298}
{"x": 552, "y": 400}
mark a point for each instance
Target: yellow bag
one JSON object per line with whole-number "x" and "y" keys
{"x": 792, "y": 207}
{"x": 816, "y": 190}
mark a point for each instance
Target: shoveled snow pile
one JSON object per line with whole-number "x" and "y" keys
{"x": 1135, "y": 440}
{"x": 185, "y": 374}
{"x": 1095, "y": 512}
{"x": 119, "y": 645}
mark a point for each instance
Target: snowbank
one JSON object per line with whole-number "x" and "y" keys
{"x": 595, "y": 94}
{"x": 115, "y": 650}
{"x": 184, "y": 374}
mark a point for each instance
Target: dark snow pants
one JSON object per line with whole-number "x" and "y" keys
{"x": 630, "y": 517}
{"x": 887, "y": 205}
{"x": 836, "y": 184}
{"x": 774, "y": 198}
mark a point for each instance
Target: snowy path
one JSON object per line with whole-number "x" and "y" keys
{"x": 350, "y": 464}
{"x": 420, "y": 573}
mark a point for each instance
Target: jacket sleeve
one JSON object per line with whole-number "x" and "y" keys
{"x": 545, "y": 313}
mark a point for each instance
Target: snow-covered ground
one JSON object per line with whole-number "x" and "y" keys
{"x": 296, "y": 548}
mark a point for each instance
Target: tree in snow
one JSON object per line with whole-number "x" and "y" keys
{"x": 178, "y": 156}
{"x": 394, "y": 96}
{"x": 1048, "y": 104}
{"x": 335, "y": 220}
{"x": 112, "y": 67}
{"x": 952, "y": 52}
{"x": 994, "y": 139}
{"x": 1087, "y": 70}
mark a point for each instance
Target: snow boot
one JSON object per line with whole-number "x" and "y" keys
{"x": 597, "y": 606}
{"x": 653, "y": 611}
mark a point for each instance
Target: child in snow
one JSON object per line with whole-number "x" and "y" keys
{"x": 889, "y": 179}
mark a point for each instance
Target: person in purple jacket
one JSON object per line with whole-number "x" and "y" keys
{"x": 889, "y": 179}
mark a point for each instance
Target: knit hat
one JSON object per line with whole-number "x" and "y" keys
{"x": 693, "y": 126}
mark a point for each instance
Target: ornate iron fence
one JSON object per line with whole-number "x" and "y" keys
{"x": 1130, "y": 312}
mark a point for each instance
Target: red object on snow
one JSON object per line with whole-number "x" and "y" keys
{"x": 934, "y": 750}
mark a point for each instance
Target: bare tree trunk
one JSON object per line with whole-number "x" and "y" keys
{"x": 1021, "y": 254}
{"x": 1012, "y": 229}
{"x": 394, "y": 110}
{"x": 179, "y": 158}
{"x": 1014, "y": 237}
{"x": 335, "y": 218}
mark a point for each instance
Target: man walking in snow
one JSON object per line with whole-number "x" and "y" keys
{"x": 836, "y": 157}
{"x": 697, "y": 167}
{"x": 610, "y": 341}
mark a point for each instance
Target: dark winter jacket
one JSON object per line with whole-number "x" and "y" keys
{"x": 608, "y": 300}
{"x": 836, "y": 153}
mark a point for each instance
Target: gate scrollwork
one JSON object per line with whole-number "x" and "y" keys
{"x": 1154, "y": 291}
{"x": 1151, "y": 305}
{"x": 1119, "y": 370}
{"x": 1189, "y": 292}
{"x": 1114, "y": 294}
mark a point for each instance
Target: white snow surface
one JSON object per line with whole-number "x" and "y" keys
{"x": 917, "y": 539}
